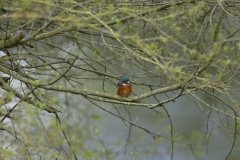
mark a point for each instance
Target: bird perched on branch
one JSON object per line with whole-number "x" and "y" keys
{"x": 124, "y": 87}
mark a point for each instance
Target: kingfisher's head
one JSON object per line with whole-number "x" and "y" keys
{"x": 124, "y": 80}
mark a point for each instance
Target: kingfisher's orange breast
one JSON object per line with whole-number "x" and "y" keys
{"x": 124, "y": 90}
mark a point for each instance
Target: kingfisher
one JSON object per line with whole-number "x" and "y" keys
{"x": 124, "y": 87}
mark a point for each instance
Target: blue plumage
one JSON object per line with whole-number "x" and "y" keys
{"x": 123, "y": 80}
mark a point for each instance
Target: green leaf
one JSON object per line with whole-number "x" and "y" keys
{"x": 94, "y": 116}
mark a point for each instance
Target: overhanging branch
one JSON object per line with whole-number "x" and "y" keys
{"x": 12, "y": 41}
